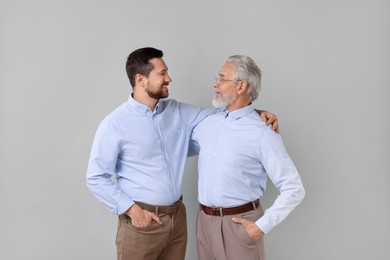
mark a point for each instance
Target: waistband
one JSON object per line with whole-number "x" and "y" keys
{"x": 230, "y": 211}
{"x": 169, "y": 210}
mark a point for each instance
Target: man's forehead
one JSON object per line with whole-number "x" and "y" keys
{"x": 159, "y": 64}
{"x": 226, "y": 69}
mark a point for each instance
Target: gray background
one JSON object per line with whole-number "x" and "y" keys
{"x": 326, "y": 75}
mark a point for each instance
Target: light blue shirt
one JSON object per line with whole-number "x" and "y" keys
{"x": 237, "y": 152}
{"x": 139, "y": 154}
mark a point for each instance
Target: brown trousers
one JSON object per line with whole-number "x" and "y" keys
{"x": 219, "y": 238}
{"x": 155, "y": 242}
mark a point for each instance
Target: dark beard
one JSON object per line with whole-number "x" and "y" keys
{"x": 158, "y": 95}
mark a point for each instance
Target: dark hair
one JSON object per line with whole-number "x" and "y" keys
{"x": 138, "y": 62}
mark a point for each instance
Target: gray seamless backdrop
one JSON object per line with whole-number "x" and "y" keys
{"x": 325, "y": 74}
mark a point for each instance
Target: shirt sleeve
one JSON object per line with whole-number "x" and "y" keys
{"x": 284, "y": 175}
{"x": 194, "y": 147}
{"x": 101, "y": 168}
{"x": 194, "y": 116}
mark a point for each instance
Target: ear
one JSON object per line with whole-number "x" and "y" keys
{"x": 242, "y": 87}
{"x": 139, "y": 80}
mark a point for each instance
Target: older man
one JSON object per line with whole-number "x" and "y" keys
{"x": 237, "y": 154}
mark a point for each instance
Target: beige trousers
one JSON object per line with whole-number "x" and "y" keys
{"x": 155, "y": 242}
{"x": 219, "y": 238}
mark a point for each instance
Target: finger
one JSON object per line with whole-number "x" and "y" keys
{"x": 264, "y": 118}
{"x": 270, "y": 120}
{"x": 275, "y": 126}
{"x": 157, "y": 219}
{"x": 237, "y": 220}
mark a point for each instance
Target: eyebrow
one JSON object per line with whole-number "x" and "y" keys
{"x": 162, "y": 71}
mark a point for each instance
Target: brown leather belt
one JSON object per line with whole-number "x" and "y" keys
{"x": 230, "y": 211}
{"x": 169, "y": 210}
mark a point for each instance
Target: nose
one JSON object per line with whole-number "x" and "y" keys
{"x": 168, "y": 78}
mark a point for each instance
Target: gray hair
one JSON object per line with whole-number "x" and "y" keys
{"x": 246, "y": 69}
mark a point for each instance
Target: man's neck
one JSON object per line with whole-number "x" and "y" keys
{"x": 238, "y": 104}
{"x": 145, "y": 99}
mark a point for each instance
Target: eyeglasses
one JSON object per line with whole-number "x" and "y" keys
{"x": 219, "y": 80}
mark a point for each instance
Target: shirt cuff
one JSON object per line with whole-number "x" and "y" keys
{"x": 265, "y": 225}
{"x": 124, "y": 205}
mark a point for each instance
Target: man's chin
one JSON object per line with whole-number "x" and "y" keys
{"x": 164, "y": 92}
{"x": 159, "y": 95}
{"x": 218, "y": 103}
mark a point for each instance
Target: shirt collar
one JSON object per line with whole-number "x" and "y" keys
{"x": 238, "y": 113}
{"x": 143, "y": 109}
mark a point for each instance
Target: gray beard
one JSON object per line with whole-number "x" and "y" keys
{"x": 219, "y": 103}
